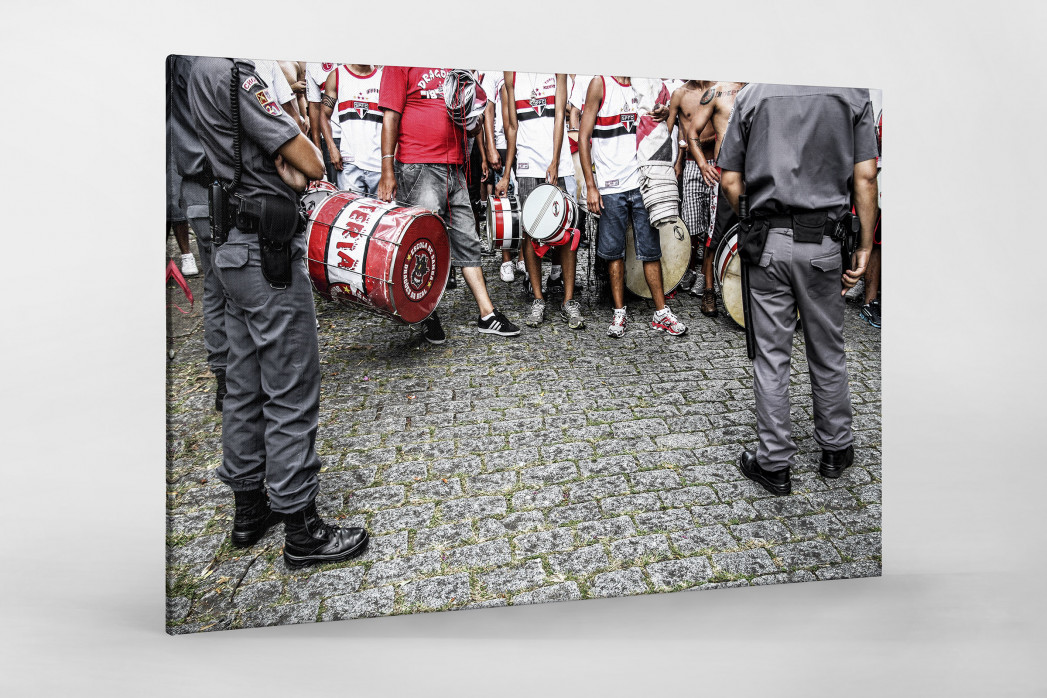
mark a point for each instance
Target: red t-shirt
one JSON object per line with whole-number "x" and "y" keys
{"x": 427, "y": 134}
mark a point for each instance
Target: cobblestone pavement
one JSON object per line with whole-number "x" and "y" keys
{"x": 490, "y": 471}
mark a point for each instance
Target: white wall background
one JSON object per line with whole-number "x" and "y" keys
{"x": 960, "y": 608}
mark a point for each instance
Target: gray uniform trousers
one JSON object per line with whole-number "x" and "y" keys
{"x": 804, "y": 276}
{"x": 194, "y": 201}
{"x": 273, "y": 376}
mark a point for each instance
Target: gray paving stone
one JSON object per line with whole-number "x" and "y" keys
{"x": 870, "y": 493}
{"x": 689, "y": 496}
{"x": 864, "y": 545}
{"x": 284, "y": 614}
{"x": 784, "y": 578}
{"x": 591, "y": 531}
{"x": 833, "y": 500}
{"x": 323, "y": 584}
{"x": 492, "y": 483}
{"x": 863, "y": 520}
{"x": 635, "y": 549}
{"x": 538, "y": 499}
{"x": 489, "y": 554}
{"x": 200, "y": 549}
{"x": 403, "y": 518}
{"x": 710, "y": 473}
{"x": 465, "y": 465}
{"x": 513, "y": 579}
{"x": 370, "y": 457}
{"x": 663, "y": 459}
{"x": 445, "y": 536}
{"x": 405, "y": 472}
{"x": 587, "y": 511}
{"x": 735, "y": 512}
{"x": 658, "y": 521}
{"x": 565, "y": 591}
{"x": 375, "y": 498}
{"x": 618, "y": 583}
{"x": 364, "y": 604}
{"x": 512, "y": 458}
{"x": 654, "y": 480}
{"x": 812, "y": 553}
{"x": 568, "y": 451}
{"x": 251, "y": 597}
{"x": 817, "y": 525}
{"x": 614, "y": 506}
{"x": 472, "y": 507}
{"x": 690, "y": 440}
{"x": 766, "y": 531}
{"x": 177, "y": 608}
{"x": 439, "y": 489}
{"x": 581, "y": 562}
{"x": 597, "y": 488}
{"x": 615, "y": 447}
{"x": 381, "y": 547}
{"x": 552, "y": 474}
{"x": 554, "y": 540}
{"x": 639, "y": 427}
{"x": 714, "y": 537}
{"x": 781, "y": 507}
{"x": 849, "y": 570}
{"x": 608, "y": 465}
{"x": 746, "y": 562}
{"x": 402, "y": 568}
{"x": 190, "y": 524}
{"x": 437, "y": 592}
{"x": 683, "y": 572}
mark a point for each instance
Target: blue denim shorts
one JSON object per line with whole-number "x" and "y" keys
{"x": 618, "y": 210}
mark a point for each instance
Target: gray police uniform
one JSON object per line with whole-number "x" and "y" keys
{"x": 190, "y": 163}
{"x": 273, "y": 375}
{"x": 796, "y": 148}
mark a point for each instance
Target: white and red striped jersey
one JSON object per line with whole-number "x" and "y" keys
{"x": 492, "y": 84}
{"x": 315, "y": 77}
{"x": 359, "y": 117}
{"x": 614, "y": 138}
{"x": 576, "y": 96}
{"x": 535, "y": 95}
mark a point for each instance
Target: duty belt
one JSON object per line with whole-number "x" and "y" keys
{"x": 243, "y": 214}
{"x": 818, "y": 224}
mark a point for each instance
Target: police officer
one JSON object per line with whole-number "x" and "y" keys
{"x": 260, "y": 158}
{"x": 191, "y": 164}
{"x": 797, "y": 153}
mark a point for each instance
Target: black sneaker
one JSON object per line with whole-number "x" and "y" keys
{"x": 554, "y": 285}
{"x": 432, "y": 331}
{"x": 870, "y": 312}
{"x": 497, "y": 324}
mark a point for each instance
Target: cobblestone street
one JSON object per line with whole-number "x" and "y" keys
{"x": 490, "y": 471}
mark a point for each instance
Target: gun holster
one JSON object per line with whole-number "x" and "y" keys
{"x": 278, "y": 221}
{"x": 752, "y": 237}
{"x": 846, "y": 233}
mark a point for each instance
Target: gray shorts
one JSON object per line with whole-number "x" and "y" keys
{"x": 442, "y": 190}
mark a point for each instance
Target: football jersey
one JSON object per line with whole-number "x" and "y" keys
{"x": 535, "y": 95}
{"x": 315, "y": 77}
{"x": 359, "y": 117}
{"x": 614, "y": 138}
{"x": 492, "y": 85}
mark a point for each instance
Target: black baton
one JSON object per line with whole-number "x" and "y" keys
{"x": 747, "y": 308}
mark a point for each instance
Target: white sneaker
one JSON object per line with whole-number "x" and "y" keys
{"x": 520, "y": 266}
{"x": 189, "y": 265}
{"x": 617, "y": 328}
{"x": 537, "y": 315}
{"x": 508, "y": 272}
{"x": 665, "y": 321}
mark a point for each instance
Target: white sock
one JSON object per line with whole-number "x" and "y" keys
{"x": 661, "y": 313}
{"x": 488, "y": 317}
{"x": 619, "y": 311}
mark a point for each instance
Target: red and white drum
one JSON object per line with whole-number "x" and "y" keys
{"x": 504, "y": 231}
{"x": 315, "y": 194}
{"x": 549, "y": 215}
{"x": 379, "y": 256}
{"x": 727, "y": 269}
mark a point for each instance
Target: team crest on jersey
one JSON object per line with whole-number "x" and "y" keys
{"x": 360, "y": 108}
{"x": 249, "y": 82}
{"x": 327, "y": 67}
{"x": 628, "y": 119}
{"x": 538, "y": 103}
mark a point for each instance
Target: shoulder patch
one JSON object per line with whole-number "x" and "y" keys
{"x": 249, "y": 82}
{"x": 265, "y": 98}
{"x": 708, "y": 95}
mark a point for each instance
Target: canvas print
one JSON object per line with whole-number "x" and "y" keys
{"x": 446, "y": 339}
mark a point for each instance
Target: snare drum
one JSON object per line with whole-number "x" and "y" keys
{"x": 727, "y": 269}
{"x": 549, "y": 215}
{"x": 504, "y": 230}
{"x": 378, "y": 256}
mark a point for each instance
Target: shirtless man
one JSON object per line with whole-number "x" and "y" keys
{"x": 697, "y": 194}
{"x": 714, "y": 107}
{"x": 294, "y": 71}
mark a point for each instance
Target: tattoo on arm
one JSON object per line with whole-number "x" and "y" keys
{"x": 708, "y": 96}
{"x": 328, "y": 101}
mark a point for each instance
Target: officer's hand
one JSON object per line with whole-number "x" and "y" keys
{"x": 290, "y": 175}
{"x": 502, "y": 186}
{"x": 659, "y": 113}
{"x": 594, "y": 201}
{"x": 709, "y": 174}
{"x": 859, "y": 260}
{"x": 387, "y": 186}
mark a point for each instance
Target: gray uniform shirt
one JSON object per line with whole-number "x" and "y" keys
{"x": 188, "y": 153}
{"x": 796, "y": 146}
{"x": 266, "y": 127}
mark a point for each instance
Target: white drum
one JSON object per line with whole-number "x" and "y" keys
{"x": 548, "y": 214}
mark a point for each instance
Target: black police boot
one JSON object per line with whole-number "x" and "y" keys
{"x": 220, "y": 391}
{"x": 775, "y": 482}
{"x": 309, "y": 540}
{"x": 253, "y": 517}
{"x": 835, "y": 462}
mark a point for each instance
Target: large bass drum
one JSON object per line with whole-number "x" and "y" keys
{"x": 727, "y": 270}
{"x": 676, "y": 252}
{"x": 376, "y": 255}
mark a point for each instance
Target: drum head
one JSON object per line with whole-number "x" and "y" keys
{"x": 421, "y": 269}
{"x": 676, "y": 252}
{"x": 546, "y": 212}
{"x": 727, "y": 268}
